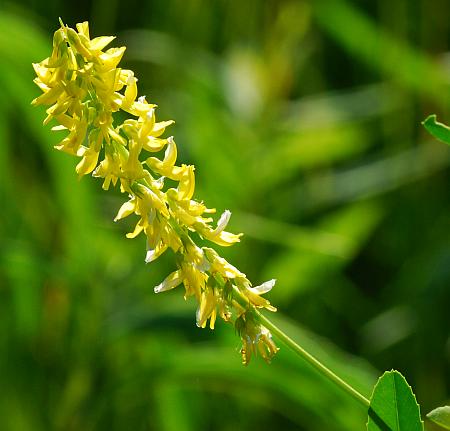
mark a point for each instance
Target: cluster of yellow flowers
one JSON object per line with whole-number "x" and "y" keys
{"x": 84, "y": 88}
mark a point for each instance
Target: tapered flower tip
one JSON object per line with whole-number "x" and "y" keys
{"x": 150, "y": 256}
{"x": 126, "y": 209}
{"x": 263, "y": 288}
{"x": 154, "y": 253}
{"x": 223, "y": 221}
{"x": 172, "y": 281}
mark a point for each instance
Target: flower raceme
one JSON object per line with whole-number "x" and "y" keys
{"x": 84, "y": 87}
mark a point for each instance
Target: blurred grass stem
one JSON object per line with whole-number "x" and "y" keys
{"x": 312, "y": 360}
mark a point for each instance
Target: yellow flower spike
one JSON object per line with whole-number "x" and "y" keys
{"x": 83, "y": 87}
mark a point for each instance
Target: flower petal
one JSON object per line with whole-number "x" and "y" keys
{"x": 222, "y": 222}
{"x": 126, "y": 209}
{"x": 98, "y": 43}
{"x": 172, "y": 281}
{"x": 263, "y": 288}
{"x": 153, "y": 254}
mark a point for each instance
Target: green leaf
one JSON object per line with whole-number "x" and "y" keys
{"x": 393, "y": 406}
{"x": 440, "y": 416}
{"x": 438, "y": 130}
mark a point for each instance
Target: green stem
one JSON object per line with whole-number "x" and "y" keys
{"x": 312, "y": 360}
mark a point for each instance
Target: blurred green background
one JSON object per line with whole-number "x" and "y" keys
{"x": 303, "y": 118}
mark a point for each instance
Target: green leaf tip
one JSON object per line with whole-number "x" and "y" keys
{"x": 393, "y": 406}
{"x": 441, "y": 417}
{"x": 440, "y": 131}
